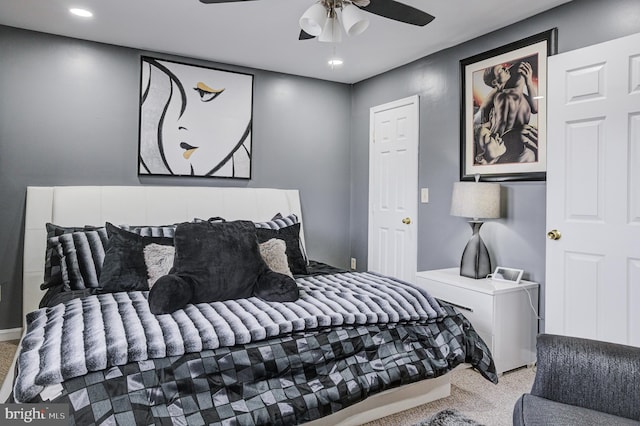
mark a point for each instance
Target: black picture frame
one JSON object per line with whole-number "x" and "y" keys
{"x": 194, "y": 120}
{"x": 503, "y": 113}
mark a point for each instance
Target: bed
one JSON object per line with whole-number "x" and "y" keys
{"x": 351, "y": 347}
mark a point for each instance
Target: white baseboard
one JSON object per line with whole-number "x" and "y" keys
{"x": 10, "y": 334}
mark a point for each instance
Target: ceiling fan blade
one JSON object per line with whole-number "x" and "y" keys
{"x": 220, "y": 1}
{"x": 305, "y": 36}
{"x": 398, "y": 12}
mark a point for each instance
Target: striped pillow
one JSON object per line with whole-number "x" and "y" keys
{"x": 52, "y": 273}
{"x": 80, "y": 255}
{"x": 278, "y": 222}
{"x": 151, "y": 231}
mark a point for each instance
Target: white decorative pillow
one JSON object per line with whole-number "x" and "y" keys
{"x": 159, "y": 260}
{"x": 273, "y": 252}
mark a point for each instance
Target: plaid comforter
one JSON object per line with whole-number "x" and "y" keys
{"x": 100, "y": 331}
{"x": 282, "y": 381}
{"x": 242, "y": 362}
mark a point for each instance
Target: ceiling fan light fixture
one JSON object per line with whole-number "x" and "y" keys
{"x": 313, "y": 20}
{"x": 331, "y": 32}
{"x": 353, "y": 20}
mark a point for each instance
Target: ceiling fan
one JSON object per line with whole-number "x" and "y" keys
{"x": 322, "y": 18}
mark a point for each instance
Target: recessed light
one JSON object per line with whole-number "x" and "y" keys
{"x": 335, "y": 62}
{"x": 81, "y": 12}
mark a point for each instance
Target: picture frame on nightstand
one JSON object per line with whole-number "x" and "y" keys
{"x": 509, "y": 275}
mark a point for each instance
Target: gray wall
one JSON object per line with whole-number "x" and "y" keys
{"x": 69, "y": 116}
{"x": 518, "y": 239}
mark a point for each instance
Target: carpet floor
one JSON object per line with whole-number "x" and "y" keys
{"x": 7, "y": 350}
{"x": 474, "y": 397}
{"x": 471, "y": 395}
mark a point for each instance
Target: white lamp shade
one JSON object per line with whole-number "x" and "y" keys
{"x": 353, "y": 20}
{"x": 331, "y": 32}
{"x": 313, "y": 20}
{"x": 477, "y": 200}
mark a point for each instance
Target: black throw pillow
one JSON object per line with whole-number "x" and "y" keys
{"x": 215, "y": 261}
{"x": 291, "y": 237}
{"x": 124, "y": 268}
{"x": 221, "y": 259}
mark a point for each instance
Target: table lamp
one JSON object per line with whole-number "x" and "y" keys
{"x": 475, "y": 200}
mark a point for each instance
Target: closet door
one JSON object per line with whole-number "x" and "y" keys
{"x": 393, "y": 185}
{"x": 593, "y": 193}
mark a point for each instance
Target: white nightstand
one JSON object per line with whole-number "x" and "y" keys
{"x": 500, "y": 312}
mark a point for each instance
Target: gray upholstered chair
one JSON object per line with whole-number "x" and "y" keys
{"x": 582, "y": 382}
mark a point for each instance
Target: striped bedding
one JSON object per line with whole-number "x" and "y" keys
{"x": 105, "y": 330}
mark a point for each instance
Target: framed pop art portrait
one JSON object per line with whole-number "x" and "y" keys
{"x": 194, "y": 120}
{"x": 503, "y": 111}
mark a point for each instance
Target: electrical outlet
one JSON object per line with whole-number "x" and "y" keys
{"x": 353, "y": 263}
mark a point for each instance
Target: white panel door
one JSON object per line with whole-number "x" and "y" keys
{"x": 393, "y": 189}
{"x": 593, "y": 193}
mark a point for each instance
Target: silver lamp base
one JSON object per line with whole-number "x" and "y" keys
{"x": 475, "y": 258}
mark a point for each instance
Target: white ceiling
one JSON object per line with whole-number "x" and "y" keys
{"x": 264, "y": 34}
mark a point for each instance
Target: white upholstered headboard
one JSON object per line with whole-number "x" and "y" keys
{"x": 136, "y": 205}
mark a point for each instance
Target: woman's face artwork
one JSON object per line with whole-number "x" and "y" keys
{"x": 205, "y": 127}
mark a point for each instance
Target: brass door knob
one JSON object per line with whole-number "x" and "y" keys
{"x": 406, "y": 220}
{"x": 554, "y": 234}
